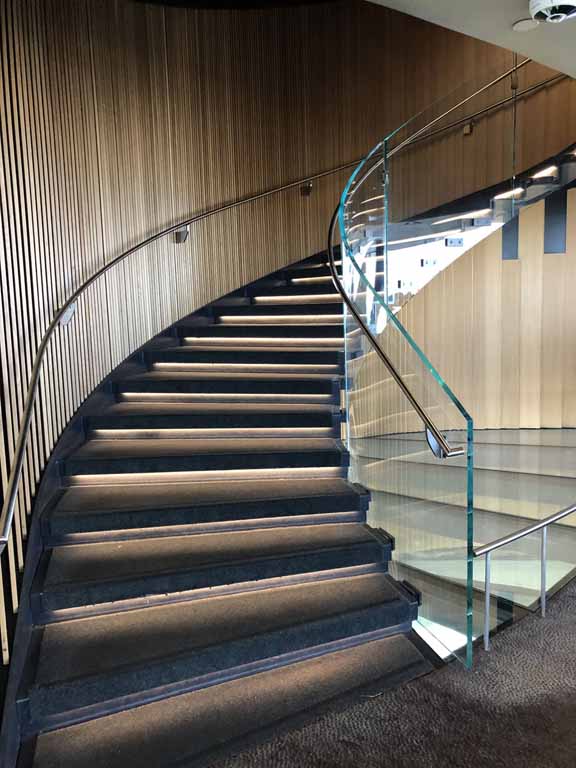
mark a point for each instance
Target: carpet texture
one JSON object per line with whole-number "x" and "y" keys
{"x": 517, "y": 709}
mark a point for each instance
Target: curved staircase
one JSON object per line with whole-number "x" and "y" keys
{"x": 206, "y": 570}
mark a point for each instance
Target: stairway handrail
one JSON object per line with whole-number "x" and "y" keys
{"x": 8, "y": 506}
{"x": 9, "y": 503}
{"x": 446, "y": 451}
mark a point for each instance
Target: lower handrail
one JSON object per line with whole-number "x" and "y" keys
{"x": 487, "y": 549}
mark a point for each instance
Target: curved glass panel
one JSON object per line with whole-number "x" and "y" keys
{"x": 410, "y": 210}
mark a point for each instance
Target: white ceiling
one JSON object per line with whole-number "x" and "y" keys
{"x": 492, "y": 20}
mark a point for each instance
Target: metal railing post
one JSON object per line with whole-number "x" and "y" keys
{"x": 487, "y": 564}
{"x": 543, "y": 546}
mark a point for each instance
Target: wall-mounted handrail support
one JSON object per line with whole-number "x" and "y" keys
{"x": 64, "y": 313}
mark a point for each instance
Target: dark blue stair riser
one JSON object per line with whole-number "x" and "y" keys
{"x": 230, "y": 420}
{"x": 186, "y": 354}
{"x": 310, "y": 330}
{"x": 83, "y": 692}
{"x": 319, "y": 271}
{"x": 189, "y": 515}
{"x": 267, "y": 386}
{"x": 295, "y": 289}
{"x": 211, "y": 575}
{"x": 293, "y": 308}
{"x": 207, "y": 462}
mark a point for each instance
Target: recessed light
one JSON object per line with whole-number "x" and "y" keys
{"x": 472, "y": 215}
{"x": 518, "y": 192}
{"x": 546, "y": 173}
{"x": 525, "y": 25}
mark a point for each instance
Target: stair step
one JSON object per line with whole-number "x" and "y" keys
{"x": 265, "y": 343}
{"x": 102, "y": 660}
{"x": 214, "y": 416}
{"x": 187, "y": 529}
{"x": 288, "y": 369}
{"x": 334, "y": 331}
{"x": 190, "y": 455}
{"x": 230, "y": 398}
{"x": 228, "y": 383}
{"x": 320, "y": 312}
{"x": 189, "y": 727}
{"x": 298, "y": 298}
{"x": 82, "y": 509}
{"x": 317, "y": 270}
{"x": 334, "y": 319}
{"x": 303, "y": 287}
{"x": 86, "y": 574}
{"x": 295, "y": 474}
{"x": 246, "y": 356}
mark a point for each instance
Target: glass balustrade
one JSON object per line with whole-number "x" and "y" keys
{"x": 408, "y": 212}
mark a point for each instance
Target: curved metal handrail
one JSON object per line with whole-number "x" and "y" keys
{"x": 9, "y": 503}
{"x": 420, "y": 133}
{"x": 436, "y": 440}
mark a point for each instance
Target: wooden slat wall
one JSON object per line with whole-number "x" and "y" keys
{"x": 117, "y": 119}
{"x": 502, "y": 332}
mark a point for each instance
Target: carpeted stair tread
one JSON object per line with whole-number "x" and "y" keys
{"x": 84, "y": 500}
{"x": 118, "y": 449}
{"x": 117, "y": 508}
{"x": 95, "y": 645}
{"x": 175, "y": 731}
{"x": 109, "y": 561}
{"x": 205, "y": 568}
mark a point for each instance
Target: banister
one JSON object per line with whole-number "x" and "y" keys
{"x": 419, "y": 134}
{"x": 9, "y": 503}
{"x": 445, "y": 450}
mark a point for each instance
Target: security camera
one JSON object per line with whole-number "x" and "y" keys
{"x": 544, "y": 10}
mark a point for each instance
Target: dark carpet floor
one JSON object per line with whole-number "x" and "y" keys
{"x": 517, "y": 709}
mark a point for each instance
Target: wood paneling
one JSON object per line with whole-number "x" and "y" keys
{"x": 501, "y": 332}
{"x": 117, "y": 119}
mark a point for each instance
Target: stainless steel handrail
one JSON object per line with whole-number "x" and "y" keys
{"x": 487, "y": 549}
{"x": 494, "y": 106}
{"x": 7, "y": 514}
{"x": 9, "y": 503}
{"x": 445, "y": 450}
{"x": 420, "y": 133}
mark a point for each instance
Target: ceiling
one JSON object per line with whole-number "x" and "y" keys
{"x": 492, "y": 20}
